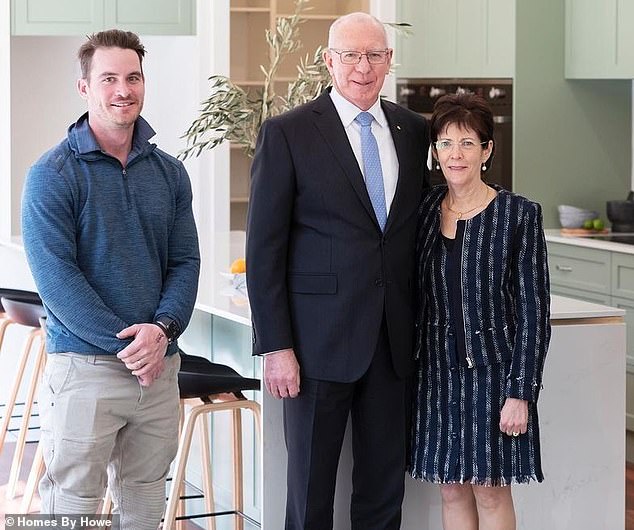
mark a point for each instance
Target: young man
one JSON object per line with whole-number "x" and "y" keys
{"x": 111, "y": 241}
{"x": 330, "y": 243}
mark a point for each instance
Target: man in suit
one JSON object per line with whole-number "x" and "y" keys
{"x": 330, "y": 251}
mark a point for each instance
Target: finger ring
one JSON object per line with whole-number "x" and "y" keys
{"x": 514, "y": 433}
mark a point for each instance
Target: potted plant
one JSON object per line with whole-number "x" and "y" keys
{"x": 233, "y": 114}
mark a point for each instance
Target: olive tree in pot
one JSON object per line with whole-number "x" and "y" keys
{"x": 233, "y": 114}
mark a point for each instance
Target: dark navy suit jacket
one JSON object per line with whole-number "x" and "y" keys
{"x": 321, "y": 275}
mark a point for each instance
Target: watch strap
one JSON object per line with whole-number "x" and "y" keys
{"x": 169, "y": 326}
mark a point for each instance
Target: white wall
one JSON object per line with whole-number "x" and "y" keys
{"x": 5, "y": 121}
{"x": 386, "y": 12}
{"x": 44, "y": 102}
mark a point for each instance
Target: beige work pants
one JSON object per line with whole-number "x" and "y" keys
{"x": 98, "y": 422}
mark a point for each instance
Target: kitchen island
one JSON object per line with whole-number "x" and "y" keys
{"x": 599, "y": 268}
{"x": 582, "y": 417}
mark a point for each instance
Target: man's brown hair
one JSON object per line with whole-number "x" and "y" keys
{"x": 111, "y": 38}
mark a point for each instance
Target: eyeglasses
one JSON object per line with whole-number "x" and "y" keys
{"x": 467, "y": 145}
{"x": 353, "y": 57}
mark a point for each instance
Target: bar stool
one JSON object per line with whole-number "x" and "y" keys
{"x": 208, "y": 388}
{"x": 14, "y": 294}
{"x": 28, "y": 314}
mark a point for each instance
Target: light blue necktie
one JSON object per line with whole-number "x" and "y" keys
{"x": 372, "y": 167}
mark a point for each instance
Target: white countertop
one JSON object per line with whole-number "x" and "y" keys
{"x": 554, "y": 235}
{"x": 562, "y": 308}
{"x": 216, "y": 295}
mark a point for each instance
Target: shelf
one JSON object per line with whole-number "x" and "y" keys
{"x": 250, "y": 9}
{"x": 310, "y": 17}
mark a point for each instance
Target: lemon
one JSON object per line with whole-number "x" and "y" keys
{"x": 588, "y": 224}
{"x": 238, "y": 266}
{"x": 598, "y": 224}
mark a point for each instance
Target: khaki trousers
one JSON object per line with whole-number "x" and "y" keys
{"x": 99, "y": 426}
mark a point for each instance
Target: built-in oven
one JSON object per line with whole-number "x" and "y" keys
{"x": 420, "y": 95}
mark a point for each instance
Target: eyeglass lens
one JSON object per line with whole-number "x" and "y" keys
{"x": 354, "y": 57}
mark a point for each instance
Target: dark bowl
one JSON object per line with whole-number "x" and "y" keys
{"x": 620, "y": 212}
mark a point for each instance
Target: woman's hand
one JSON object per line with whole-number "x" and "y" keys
{"x": 514, "y": 416}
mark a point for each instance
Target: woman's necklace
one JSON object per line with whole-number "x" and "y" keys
{"x": 460, "y": 214}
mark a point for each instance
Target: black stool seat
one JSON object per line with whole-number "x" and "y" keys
{"x": 199, "y": 377}
{"x": 20, "y": 296}
{"x": 21, "y": 312}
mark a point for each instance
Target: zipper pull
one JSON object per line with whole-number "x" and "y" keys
{"x": 469, "y": 362}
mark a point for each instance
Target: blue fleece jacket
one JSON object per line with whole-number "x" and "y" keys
{"x": 109, "y": 246}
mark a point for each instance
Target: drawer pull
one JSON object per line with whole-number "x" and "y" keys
{"x": 563, "y": 268}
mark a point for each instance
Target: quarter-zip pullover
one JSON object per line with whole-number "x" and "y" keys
{"x": 109, "y": 246}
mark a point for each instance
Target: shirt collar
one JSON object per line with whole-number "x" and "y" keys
{"x": 86, "y": 141}
{"x": 348, "y": 111}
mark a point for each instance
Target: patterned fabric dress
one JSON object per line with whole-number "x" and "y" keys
{"x": 458, "y": 393}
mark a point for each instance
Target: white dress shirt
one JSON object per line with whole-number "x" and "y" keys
{"x": 381, "y": 131}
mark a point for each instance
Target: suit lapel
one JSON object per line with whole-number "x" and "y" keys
{"x": 329, "y": 125}
{"x": 400, "y": 145}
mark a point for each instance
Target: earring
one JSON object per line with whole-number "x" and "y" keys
{"x": 484, "y": 166}
{"x": 437, "y": 166}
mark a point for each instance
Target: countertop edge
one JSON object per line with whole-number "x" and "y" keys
{"x": 553, "y": 235}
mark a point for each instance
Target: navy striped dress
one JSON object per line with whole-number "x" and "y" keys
{"x": 483, "y": 332}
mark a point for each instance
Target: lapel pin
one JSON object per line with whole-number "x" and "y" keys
{"x": 398, "y": 127}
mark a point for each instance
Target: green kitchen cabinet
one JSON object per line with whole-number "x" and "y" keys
{"x": 623, "y": 275}
{"x": 80, "y": 17}
{"x": 63, "y": 17}
{"x": 575, "y": 269}
{"x": 578, "y": 294}
{"x": 599, "y": 39}
{"x": 457, "y": 38}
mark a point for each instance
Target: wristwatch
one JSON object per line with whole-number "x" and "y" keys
{"x": 169, "y": 326}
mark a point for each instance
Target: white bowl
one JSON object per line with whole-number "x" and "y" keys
{"x": 564, "y": 208}
{"x": 576, "y": 219}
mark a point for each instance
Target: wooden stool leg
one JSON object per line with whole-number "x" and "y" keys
{"x": 37, "y": 471}
{"x": 180, "y": 463}
{"x": 208, "y": 487}
{"x": 4, "y": 324}
{"x": 238, "y": 470}
{"x": 180, "y": 511}
{"x": 17, "y": 382}
{"x": 18, "y": 455}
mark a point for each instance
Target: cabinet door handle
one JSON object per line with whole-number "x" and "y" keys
{"x": 563, "y": 268}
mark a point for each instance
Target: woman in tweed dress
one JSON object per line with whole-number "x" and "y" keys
{"x": 483, "y": 328}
